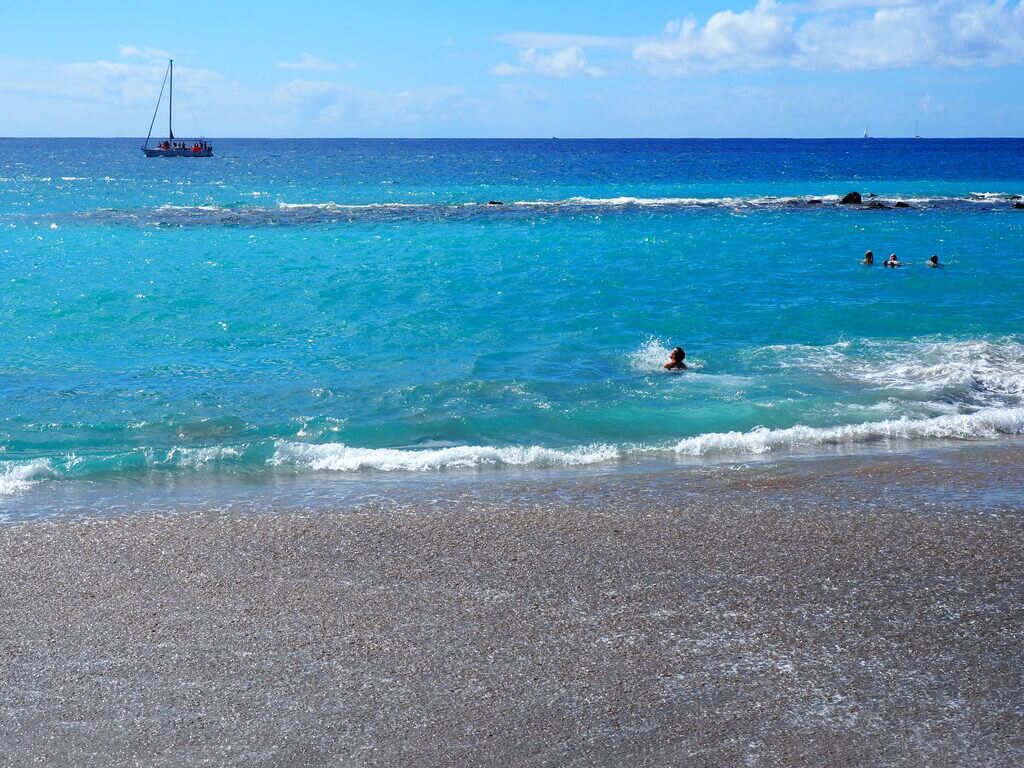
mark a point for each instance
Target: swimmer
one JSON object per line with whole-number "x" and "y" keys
{"x": 675, "y": 360}
{"x": 892, "y": 261}
{"x": 934, "y": 262}
{"x": 869, "y": 259}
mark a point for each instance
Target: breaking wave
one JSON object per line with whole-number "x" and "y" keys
{"x": 291, "y": 455}
{"x": 913, "y": 391}
{"x": 297, "y": 213}
{"x": 985, "y": 424}
{"x": 338, "y": 457}
{"x": 977, "y": 373}
{"x": 20, "y": 476}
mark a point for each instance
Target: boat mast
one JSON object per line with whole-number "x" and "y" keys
{"x": 170, "y": 103}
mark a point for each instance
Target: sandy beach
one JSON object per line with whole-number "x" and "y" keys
{"x": 801, "y": 614}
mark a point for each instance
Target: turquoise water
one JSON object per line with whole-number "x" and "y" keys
{"x": 357, "y": 307}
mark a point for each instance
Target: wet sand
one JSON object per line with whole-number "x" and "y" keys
{"x": 792, "y": 615}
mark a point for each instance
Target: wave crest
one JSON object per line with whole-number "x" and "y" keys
{"x": 985, "y": 424}
{"x": 283, "y": 212}
{"x": 18, "y": 477}
{"x": 338, "y": 457}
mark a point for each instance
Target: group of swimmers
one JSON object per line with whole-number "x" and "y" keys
{"x": 893, "y": 262}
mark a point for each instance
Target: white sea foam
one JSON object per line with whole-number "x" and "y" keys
{"x": 189, "y": 208}
{"x": 583, "y": 202}
{"x": 197, "y": 457}
{"x": 18, "y": 477}
{"x": 348, "y": 206}
{"x": 338, "y": 457}
{"x": 990, "y": 197}
{"x": 651, "y": 356}
{"x": 614, "y": 202}
{"x": 980, "y": 367}
{"x": 987, "y": 423}
{"x": 966, "y": 371}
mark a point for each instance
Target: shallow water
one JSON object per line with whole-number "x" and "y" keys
{"x": 356, "y": 306}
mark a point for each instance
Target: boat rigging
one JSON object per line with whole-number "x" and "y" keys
{"x": 170, "y": 147}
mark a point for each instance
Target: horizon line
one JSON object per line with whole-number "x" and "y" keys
{"x": 530, "y": 138}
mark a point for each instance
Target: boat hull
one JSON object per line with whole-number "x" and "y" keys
{"x": 154, "y": 152}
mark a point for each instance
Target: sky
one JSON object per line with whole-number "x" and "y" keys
{"x": 529, "y": 68}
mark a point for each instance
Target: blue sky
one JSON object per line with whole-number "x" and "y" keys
{"x": 524, "y": 68}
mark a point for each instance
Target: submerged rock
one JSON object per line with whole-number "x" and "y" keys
{"x": 901, "y": 204}
{"x": 1019, "y": 206}
{"x": 877, "y": 206}
{"x": 851, "y": 198}
{"x": 495, "y": 202}
{"x": 814, "y": 202}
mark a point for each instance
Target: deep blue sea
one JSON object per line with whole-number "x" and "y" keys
{"x": 330, "y": 307}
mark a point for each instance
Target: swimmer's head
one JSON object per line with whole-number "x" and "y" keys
{"x": 934, "y": 259}
{"x": 869, "y": 256}
{"x": 677, "y": 354}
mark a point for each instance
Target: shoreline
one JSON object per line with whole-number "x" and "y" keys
{"x": 863, "y": 611}
{"x": 288, "y": 489}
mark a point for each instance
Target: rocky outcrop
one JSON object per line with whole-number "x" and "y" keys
{"x": 1019, "y": 206}
{"x": 877, "y": 206}
{"x": 851, "y": 198}
{"x": 901, "y": 204}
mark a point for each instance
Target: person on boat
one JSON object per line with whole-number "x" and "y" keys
{"x": 869, "y": 259}
{"x": 934, "y": 261}
{"x": 675, "y": 360}
{"x": 893, "y": 262}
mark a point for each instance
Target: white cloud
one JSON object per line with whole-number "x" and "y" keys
{"x": 747, "y": 40}
{"x": 842, "y": 35}
{"x": 830, "y": 35}
{"x": 134, "y": 51}
{"x": 338, "y": 105}
{"x": 505, "y": 69}
{"x": 930, "y": 106}
{"x": 313, "y": 63}
{"x": 108, "y": 83}
{"x": 550, "y": 40}
{"x": 564, "y": 62}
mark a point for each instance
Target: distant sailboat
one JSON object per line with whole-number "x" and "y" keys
{"x": 916, "y": 134}
{"x": 169, "y": 147}
{"x": 866, "y": 134}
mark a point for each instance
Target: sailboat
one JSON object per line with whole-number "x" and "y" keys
{"x": 170, "y": 147}
{"x": 916, "y": 134}
{"x": 866, "y": 134}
